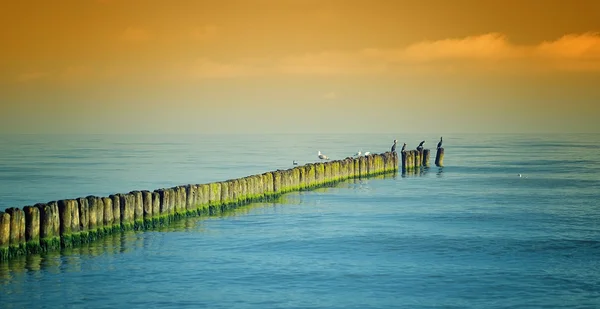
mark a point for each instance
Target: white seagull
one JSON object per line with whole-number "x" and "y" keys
{"x": 367, "y": 153}
{"x": 358, "y": 154}
{"x": 322, "y": 156}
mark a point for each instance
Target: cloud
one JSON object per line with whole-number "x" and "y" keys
{"x": 132, "y": 34}
{"x": 491, "y": 52}
{"x": 31, "y": 76}
{"x": 203, "y": 33}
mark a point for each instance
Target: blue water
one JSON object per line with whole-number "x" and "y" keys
{"x": 470, "y": 235}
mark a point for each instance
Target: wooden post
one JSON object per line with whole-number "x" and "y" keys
{"x": 32, "y": 229}
{"x": 4, "y": 235}
{"x": 439, "y": 157}
{"x": 426, "y": 157}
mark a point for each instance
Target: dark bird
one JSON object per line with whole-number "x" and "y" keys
{"x": 439, "y": 145}
{"x": 403, "y": 147}
{"x": 295, "y": 162}
{"x": 394, "y": 146}
{"x": 420, "y": 147}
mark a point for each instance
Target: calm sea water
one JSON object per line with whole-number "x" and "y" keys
{"x": 470, "y": 235}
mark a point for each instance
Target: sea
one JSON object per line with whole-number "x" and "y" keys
{"x": 509, "y": 221}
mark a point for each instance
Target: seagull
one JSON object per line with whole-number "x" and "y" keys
{"x": 358, "y": 154}
{"x": 367, "y": 153}
{"x": 403, "y": 147}
{"x": 520, "y": 175}
{"x": 394, "y": 146}
{"x": 295, "y": 162}
{"x": 420, "y": 147}
{"x": 439, "y": 145}
{"x": 322, "y": 156}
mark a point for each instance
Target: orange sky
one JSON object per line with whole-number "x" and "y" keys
{"x": 107, "y": 66}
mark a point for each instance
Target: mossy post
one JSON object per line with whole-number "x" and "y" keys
{"x": 109, "y": 218}
{"x": 138, "y": 210}
{"x": 172, "y": 202}
{"x": 4, "y": 235}
{"x": 202, "y": 198}
{"x": 65, "y": 214}
{"x": 94, "y": 204}
{"x": 405, "y": 157}
{"x": 17, "y": 231}
{"x": 116, "y": 211}
{"x": 84, "y": 219}
{"x": 127, "y": 208}
{"x": 439, "y": 157}
{"x": 156, "y": 208}
{"x": 164, "y": 205}
{"x": 418, "y": 156}
{"x": 32, "y": 229}
{"x": 148, "y": 207}
{"x": 190, "y": 202}
{"x": 425, "y": 159}
{"x": 49, "y": 226}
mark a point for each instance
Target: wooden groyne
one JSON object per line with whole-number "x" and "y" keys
{"x": 414, "y": 159}
{"x": 68, "y": 223}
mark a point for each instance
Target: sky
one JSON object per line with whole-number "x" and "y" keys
{"x": 299, "y": 66}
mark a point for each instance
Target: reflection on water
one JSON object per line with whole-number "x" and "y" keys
{"x": 417, "y": 172}
{"x": 70, "y": 259}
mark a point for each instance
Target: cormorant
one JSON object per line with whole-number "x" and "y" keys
{"x": 439, "y": 145}
{"x": 403, "y": 147}
{"x": 394, "y": 146}
{"x": 420, "y": 147}
{"x": 295, "y": 163}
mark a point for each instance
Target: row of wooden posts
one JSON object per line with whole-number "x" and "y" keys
{"x": 71, "y": 222}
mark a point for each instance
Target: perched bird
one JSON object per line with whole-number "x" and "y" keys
{"x": 367, "y": 153}
{"x": 439, "y": 145}
{"x": 403, "y": 147}
{"x": 295, "y": 162}
{"x": 322, "y": 156}
{"x": 420, "y": 147}
{"x": 394, "y": 146}
{"x": 358, "y": 154}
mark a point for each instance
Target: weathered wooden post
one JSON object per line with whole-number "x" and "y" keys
{"x": 116, "y": 211}
{"x": 156, "y": 208}
{"x": 65, "y": 213}
{"x": 84, "y": 220}
{"x": 426, "y": 157}
{"x": 49, "y": 226}
{"x": 215, "y": 196}
{"x": 439, "y": 157}
{"x": 190, "y": 202}
{"x": 109, "y": 217}
{"x": 4, "y": 235}
{"x": 405, "y": 158}
{"x": 17, "y": 231}
{"x": 127, "y": 209}
{"x": 147, "y": 203}
{"x": 32, "y": 229}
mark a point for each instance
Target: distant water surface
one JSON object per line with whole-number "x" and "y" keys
{"x": 470, "y": 235}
